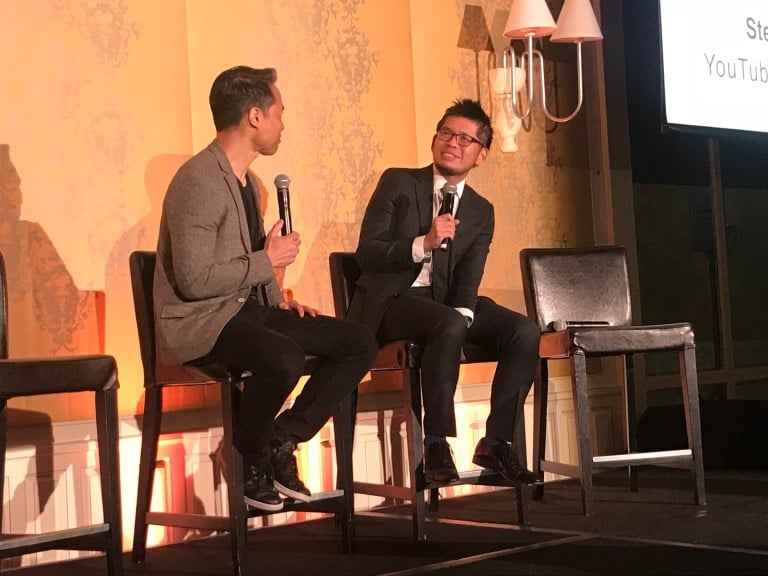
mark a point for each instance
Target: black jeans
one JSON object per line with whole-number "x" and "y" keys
{"x": 442, "y": 331}
{"x": 272, "y": 343}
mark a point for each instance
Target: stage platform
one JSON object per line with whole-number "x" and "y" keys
{"x": 657, "y": 530}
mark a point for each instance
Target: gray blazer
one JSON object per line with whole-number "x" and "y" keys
{"x": 205, "y": 267}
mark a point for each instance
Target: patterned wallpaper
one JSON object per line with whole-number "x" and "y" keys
{"x": 107, "y": 98}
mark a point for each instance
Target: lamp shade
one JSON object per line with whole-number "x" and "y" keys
{"x": 529, "y": 17}
{"x": 577, "y": 23}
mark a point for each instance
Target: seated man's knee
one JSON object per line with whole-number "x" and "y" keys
{"x": 286, "y": 367}
{"x": 451, "y": 326}
{"x": 527, "y": 335}
{"x": 363, "y": 342}
{"x": 530, "y": 331}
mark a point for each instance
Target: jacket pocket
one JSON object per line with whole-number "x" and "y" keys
{"x": 180, "y": 311}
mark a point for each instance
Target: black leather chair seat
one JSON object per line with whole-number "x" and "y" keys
{"x": 601, "y": 340}
{"x": 33, "y": 376}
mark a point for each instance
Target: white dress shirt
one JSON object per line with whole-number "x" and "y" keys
{"x": 417, "y": 248}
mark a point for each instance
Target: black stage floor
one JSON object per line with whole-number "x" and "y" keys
{"x": 657, "y": 530}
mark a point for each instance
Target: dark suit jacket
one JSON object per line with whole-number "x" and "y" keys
{"x": 400, "y": 210}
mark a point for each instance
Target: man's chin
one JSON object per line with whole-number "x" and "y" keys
{"x": 447, "y": 170}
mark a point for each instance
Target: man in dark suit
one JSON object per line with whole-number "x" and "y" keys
{"x": 410, "y": 288}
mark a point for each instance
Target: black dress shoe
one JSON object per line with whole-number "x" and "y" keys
{"x": 503, "y": 459}
{"x": 438, "y": 463}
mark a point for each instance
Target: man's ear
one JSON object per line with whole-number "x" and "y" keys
{"x": 254, "y": 116}
{"x": 481, "y": 156}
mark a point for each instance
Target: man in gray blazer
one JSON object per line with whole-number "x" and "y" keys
{"x": 412, "y": 288}
{"x": 216, "y": 297}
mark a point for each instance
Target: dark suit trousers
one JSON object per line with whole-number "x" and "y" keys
{"x": 272, "y": 343}
{"x": 441, "y": 331}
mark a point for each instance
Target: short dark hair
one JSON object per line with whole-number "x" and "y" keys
{"x": 473, "y": 110}
{"x": 237, "y": 90}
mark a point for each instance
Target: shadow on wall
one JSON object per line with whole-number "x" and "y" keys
{"x": 47, "y": 315}
{"x": 334, "y": 236}
{"x": 28, "y": 428}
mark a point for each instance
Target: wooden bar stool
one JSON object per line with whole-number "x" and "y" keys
{"x": 580, "y": 299}
{"x": 405, "y": 356}
{"x": 157, "y": 377}
{"x": 35, "y": 376}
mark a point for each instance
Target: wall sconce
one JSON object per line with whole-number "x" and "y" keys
{"x": 506, "y": 124}
{"x": 474, "y": 35}
{"x": 529, "y": 19}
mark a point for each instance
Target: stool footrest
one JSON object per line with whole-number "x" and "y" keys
{"x": 94, "y": 537}
{"x": 331, "y": 501}
{"x": 640, "y": 458}
{"x": 194, "y": 521}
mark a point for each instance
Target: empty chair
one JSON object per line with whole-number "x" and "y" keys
{"x": 157, "y": 377}
{"x": 34, "y": 376}
{"x": 580, "y": 299}
{"x": 404, "y": 356}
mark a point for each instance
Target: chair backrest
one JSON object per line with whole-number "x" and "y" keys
{"x": 344, "y": 274}
{"x": 3, "y": 311}
{"x": 576, "y": 285}
{"x": 142, "y": 265}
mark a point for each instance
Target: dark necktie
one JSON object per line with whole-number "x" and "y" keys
{"x": 440, "y": 264}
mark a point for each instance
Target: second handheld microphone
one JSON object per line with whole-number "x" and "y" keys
{"x": 446, "y": 207}
{"x": 284, "y": 202}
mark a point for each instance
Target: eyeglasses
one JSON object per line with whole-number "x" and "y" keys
{"x": 462, "y": 139}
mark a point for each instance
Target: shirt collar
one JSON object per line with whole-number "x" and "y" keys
{"x": 438, "y": 181}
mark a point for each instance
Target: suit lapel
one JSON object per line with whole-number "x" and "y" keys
{"x": 234, "y": 190}
{"x": 465, "y": 211}
{"x": 424, "y": 198}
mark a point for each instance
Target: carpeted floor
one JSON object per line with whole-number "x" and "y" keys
{"x": 657, "y": 530}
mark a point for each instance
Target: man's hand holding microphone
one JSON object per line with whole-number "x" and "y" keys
{"x": 282, "y": 243}
{"x": 443, "y": 228}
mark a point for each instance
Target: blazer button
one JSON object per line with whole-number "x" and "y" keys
{"x": 241, "y": 299}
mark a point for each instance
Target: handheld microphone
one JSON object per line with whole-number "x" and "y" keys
{"x": 559, "y": 325}
{"x": 284, "y": 202}
{"x": 449, "y": 198}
